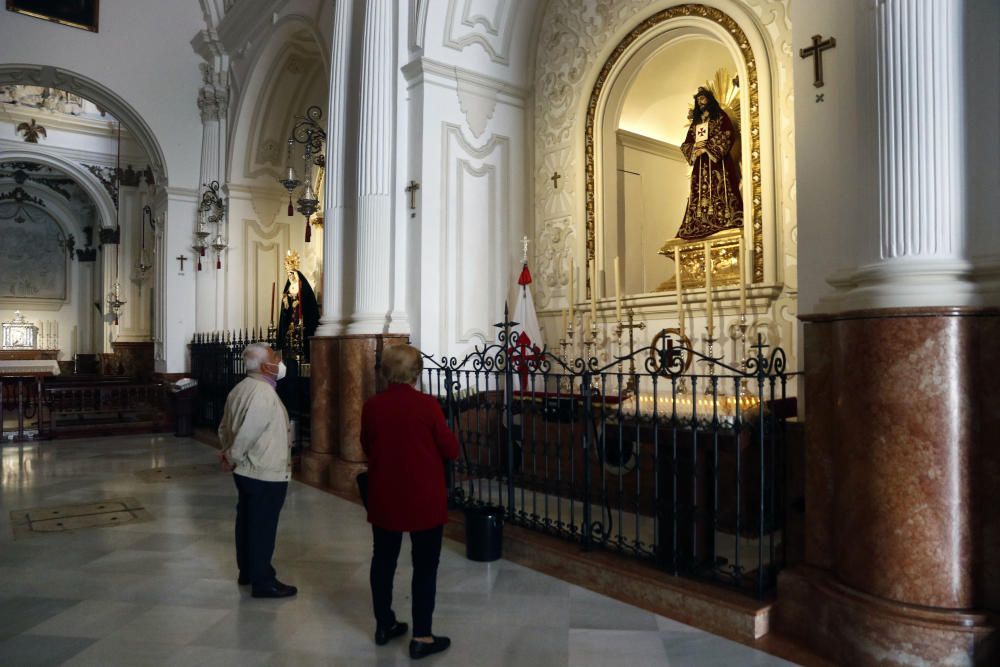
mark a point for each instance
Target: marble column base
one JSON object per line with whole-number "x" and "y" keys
{"x": 341, "y": 475}
{"x": 344, "y": 376}
{"x": 852, "y": 628}
{"x": 314, "y": 468}
{"x": 900, "y": 550}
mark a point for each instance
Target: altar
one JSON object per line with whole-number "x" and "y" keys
{"x": 37, "y": 367}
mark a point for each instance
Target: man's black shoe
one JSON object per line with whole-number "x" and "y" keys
{"x": 276, "y": 589}
{"x": 384, "y": 635}
{"x": 420, "y": 650}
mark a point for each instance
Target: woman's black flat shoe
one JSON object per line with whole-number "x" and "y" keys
{"x": 384, "y": 635}
{"x": 423, "y": 649}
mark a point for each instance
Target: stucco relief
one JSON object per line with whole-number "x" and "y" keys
{"x": 555, "y": 243}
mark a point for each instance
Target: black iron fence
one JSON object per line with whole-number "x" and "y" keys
{"x": 664, "y": 454}
{"x": 217, "y": 364}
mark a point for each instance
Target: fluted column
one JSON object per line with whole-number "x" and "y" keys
{"x": 372, "y": 296}
{"x": 919, "y": 257}
{"x": 337, "y": 210}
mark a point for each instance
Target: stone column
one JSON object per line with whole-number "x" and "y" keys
{"x": 900, "y": 555}
{"x": 348, "y": 376}
{"x": 213, "y": 102}
{"x": 373, "y": 284}
{"x": 325, "y": 442}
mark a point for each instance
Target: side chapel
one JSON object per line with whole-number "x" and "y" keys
{"x": 684, "y": 194}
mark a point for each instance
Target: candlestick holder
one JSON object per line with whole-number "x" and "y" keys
{"x": 742, "y": 333}
{"x": 710, "y": 341}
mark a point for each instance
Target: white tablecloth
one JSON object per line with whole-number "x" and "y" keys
{"x": 29, "y": 367}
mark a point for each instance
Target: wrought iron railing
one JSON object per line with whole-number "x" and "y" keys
{"x": 217, "y": 364}
{"x": 664, "y": 454}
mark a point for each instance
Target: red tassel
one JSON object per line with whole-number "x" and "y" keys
{"x": 291, "y": 209}
{"x": 308, "y": 231}
{"x": 199, "y": 262}
{"x": 218, "y": 262}
{"x": 116, "y": 321}
{"x": 201, "y": 252}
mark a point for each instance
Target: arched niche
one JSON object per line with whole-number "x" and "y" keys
{"x": 288, "y": 73}
{"x": 683, "y": 46}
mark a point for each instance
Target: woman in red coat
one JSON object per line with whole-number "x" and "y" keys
{"x": 406, "y": 440}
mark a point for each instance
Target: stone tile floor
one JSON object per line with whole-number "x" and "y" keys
{"x": 163, "y": 592}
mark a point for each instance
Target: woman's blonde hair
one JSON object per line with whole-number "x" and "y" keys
{"x": 402, "y": 364}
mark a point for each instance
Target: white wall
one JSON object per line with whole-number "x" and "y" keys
{"x": 464, "y": 86}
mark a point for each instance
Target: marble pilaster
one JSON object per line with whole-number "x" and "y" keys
{"x": 901, "y": 465}
{"x": 344, "y": 376}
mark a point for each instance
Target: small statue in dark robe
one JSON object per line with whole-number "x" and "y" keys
{"x": 299, "y": 314}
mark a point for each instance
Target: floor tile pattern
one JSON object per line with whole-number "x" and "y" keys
{"x": 164, "y": 592}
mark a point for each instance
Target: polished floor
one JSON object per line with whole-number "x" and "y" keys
{"x": 163, "y": 592}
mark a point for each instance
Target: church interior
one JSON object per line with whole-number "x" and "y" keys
{"x": 709, "y": 293}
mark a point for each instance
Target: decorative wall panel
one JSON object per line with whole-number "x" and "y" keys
{"x": 487, "y": 23}
{"x": 476, "y": 194}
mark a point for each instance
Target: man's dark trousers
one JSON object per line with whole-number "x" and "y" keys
{"x": 257, "y": 510}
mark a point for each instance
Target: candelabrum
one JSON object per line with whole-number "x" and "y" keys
{"x": 710, "y": 341}
{"x": 741, "y": 334}
{"x": 115, "y": 302}
{"x": 308, "y": 132}
{"x": 211, "y": 211}
{"x": 631, "y": 326}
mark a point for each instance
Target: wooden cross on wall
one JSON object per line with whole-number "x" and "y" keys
{"x": 411, "y": 189}
{"x": 181, "y": 259}
{"x": 817, "y": 49}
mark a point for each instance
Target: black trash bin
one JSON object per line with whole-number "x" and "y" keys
{"x": 483, "y": 533}
{"x": 184, "y": 396}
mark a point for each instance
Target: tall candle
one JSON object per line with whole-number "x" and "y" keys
{"x": 618, "y": 291}
{"x": 564, "y": 327}
{"x": 55, "y": 334}
{"x": 593, "y": 293}
{"x": 677, "y": 286}
{"x": 708, "y": 287}
{"x": 743, "y": 285}
{"x": 571, "y": 294}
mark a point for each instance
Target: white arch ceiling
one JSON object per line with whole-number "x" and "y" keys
{"x": 289, "y": 73}
{"x": 87, "y": 181}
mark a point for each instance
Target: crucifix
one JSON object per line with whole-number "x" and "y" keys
{"x": 411, "y": 189}
{"x": 817, "y": 49}
{"x": 181, "y": 259}
{"x": 555, "y": 179}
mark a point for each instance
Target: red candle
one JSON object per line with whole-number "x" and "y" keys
{"x": 272, "y": 302}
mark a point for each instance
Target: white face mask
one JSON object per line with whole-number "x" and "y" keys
{"x": 282, "y": 369}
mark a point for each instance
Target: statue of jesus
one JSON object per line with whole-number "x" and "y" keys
{"x": 715, "y": 202}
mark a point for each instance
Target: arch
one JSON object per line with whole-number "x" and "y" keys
{"x": 259, "y": 100}
{"x": 91, "y": 185}
{"x": 99, "y": 94}
{"x": 683, "y": 20}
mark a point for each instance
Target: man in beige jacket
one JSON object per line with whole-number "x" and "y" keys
{"x": 255, "y": 444}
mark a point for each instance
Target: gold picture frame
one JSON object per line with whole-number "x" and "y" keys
{"x": 82, "y": 14}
